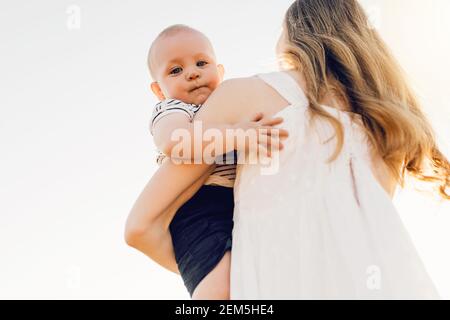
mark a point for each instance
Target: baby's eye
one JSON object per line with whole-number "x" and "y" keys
{"x": 201, "y": 63}
{"x": 176, "y": 70}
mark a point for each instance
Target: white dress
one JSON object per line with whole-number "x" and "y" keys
{"x": 315, "y": 230}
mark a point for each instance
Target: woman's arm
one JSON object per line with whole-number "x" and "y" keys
{"x": 147, "y": 227}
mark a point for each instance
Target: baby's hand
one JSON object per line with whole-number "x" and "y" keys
{"x": 264, "y": 137}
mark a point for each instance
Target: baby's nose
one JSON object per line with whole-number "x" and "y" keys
{"x": 193, "y": 75}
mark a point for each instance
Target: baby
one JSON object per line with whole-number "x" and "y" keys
{"x": 183, "y": 65}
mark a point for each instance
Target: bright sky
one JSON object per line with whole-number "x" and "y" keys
{"x": 76, "y": 150}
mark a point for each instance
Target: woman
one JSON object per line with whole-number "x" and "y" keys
{"x": 324, "y": 225}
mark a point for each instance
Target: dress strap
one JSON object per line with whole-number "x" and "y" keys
{"x": 286, "y": 86}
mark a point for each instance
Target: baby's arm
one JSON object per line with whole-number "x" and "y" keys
{"x": 170, "y": 129}
{"x": 147, "y": 227}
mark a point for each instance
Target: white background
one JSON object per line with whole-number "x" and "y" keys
{"x": 76, "y": 151}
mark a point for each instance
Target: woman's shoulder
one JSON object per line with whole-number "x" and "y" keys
{"x": 256, "y": 82}
{"x": 290, "y": 84}
{"x": 244, "y": 86}
{"x": 246, "y": 96}
{"x": 236, "y": 99}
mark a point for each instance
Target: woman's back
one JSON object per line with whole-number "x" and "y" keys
{"x": 312, "y": 229}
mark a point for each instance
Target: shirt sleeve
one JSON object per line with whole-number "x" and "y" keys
{"x": 166, "y": 107}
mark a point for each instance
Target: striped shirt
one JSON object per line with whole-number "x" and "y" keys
{"x": 225, "y": 171}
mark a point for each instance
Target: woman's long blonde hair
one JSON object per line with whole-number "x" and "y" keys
{"x": 334, "y": 46}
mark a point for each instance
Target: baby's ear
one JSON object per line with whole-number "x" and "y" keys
{"x": 221, "y": 70}
{"x": 157, "y": 91}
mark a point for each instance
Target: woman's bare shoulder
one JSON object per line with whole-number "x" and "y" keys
{"x": 240, "y": 90}
{"x": 237, "y": 99}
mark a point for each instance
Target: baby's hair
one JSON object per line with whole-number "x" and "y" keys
{"x": 169, "y": 31}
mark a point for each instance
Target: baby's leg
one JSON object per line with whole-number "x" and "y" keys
{"x": 216, "y": 285}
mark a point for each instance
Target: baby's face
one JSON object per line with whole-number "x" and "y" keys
{"x": 185, "y": 68}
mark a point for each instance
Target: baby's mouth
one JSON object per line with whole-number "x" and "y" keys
{"x": 197, "y": 88}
